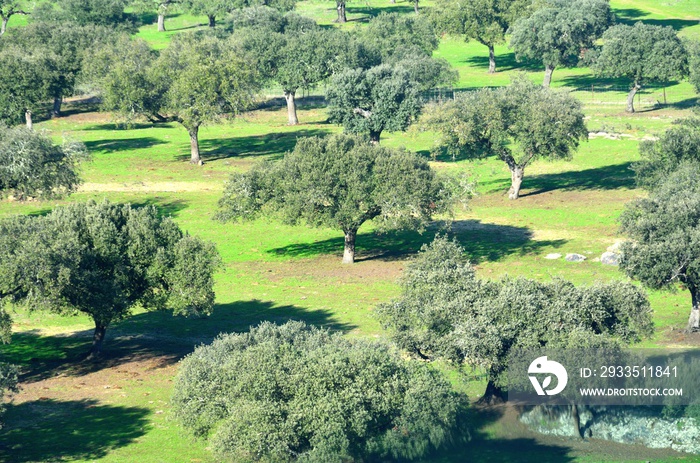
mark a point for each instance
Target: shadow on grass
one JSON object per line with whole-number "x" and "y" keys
{"x": 367, "y": 12}
{"x": 54, "y": 430}
{"x": 131, "y": 126}
{"x": 157, "y": 337}
{"x": 504, "y": 62}
{"x": 481, "y": 241}
{"x": 612, "y": 177}
{"x": 603, "y": 84}
{"x": 254, "y": 145}
{"x": 630, "y": 16}
{"x": 303, "y": 103}
{"x": 122, "y": 144}
{"x": 165, "y": 207}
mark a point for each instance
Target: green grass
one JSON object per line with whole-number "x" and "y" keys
{"x": 118, "y": 411}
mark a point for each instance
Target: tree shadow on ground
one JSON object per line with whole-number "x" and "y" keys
{"x": 612, "y": 177}
{"x": 630, "y": 16}
{"x": 276, "y": 144}
{"x": 122, "y": 144}
{"x": 303, "y": 103}
{"x": 605, "y": 84}
{"x": 504, "y": 62}
{"x": 131, "y": 126}
{"x": 165, "y": 206}
{"x": 481, "y": 241}
{"x": 54, "y": 430}
{"x": 157, "y": 337}
{"x": 367, "y": 12}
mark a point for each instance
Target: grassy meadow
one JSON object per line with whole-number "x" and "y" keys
{"x": 118, "y": 410}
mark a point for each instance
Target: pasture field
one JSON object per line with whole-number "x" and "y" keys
{"x": 118, "y": 410}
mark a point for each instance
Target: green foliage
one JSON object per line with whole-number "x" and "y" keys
{"x": 57, "y": 51}
{"x": 678, "y": 145}
{"x": 340, "y": 182}
{"x": 108, "y": 13}
{"x": 557, "y": 33}
{"x": 31, "y": 165}
{"x": 693, "y": 47}
{"x": 444, "y": 311}
{"x": 518, "y": 124}
{"x": 103, "y": 259}
{"x": 642, "y": 53}
{"x": 298, "y": 393}
{"x": 374, "y": 100}
{"x": 664, "y": 232}
{"x": 21, "y": 85}
{"x": 391, "y": 32}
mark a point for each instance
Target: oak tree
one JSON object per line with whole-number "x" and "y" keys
{"x": 340, "y": 182}
{"x": 104, "y": 260}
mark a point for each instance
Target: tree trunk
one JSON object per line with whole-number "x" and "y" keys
{"x": 3, "y": 26}
{"x": 630, "y": 97}
{"x": 56, "y": 111}
{"x": 492, "y": 395}
{"x": 492, "y": 60}
{"x": 349, "y": 252}
{"x": 392, "y": 1}
{"x": 694, "y": 319}
{"x": 415, "y": 6}
{"x": 342, "y": 18}
{"x": 548, "y": 70}
{"x": 98, "y": 338}
{"x": 374, "y": 136}
{"x": 194, "y": 145}
{"x": 516, "y": 179}
{"x": 576, "y": 420}
{"x": 28, "y": 118}
{"x": 161, "y": 23}
{"x": 212, "y": 20}
{"x": 291, "y": 108}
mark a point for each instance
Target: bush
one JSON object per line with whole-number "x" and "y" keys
{"x": 298, "y": 393}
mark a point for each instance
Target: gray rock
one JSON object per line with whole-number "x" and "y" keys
{"x": 575, "y": 257}
{"x": 552, "y": 256}
{"x": 610, "y": 258}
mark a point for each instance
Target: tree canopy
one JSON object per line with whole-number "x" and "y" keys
{"x": 22, "y": 86}
{"x": 104, "y": 259}
{"x": 389, "y": 33}
{"x": 196, "y": 80}
{"x": 32, "y": 166}
{"x": 558, "y": 33}
{"x": 445, "y": 311}
{"x": 108, "y": 13}
{"x": 693, "y": 47}
{"x": 678, "y": 145}
{"x": 642, "y": 53}
{"x": 664, "y": 232}
{"x": 518, "y": 124}
{"x": 485, "y": 21}
{"x": 340, "y": 182}
{"x": 297, "y": 393}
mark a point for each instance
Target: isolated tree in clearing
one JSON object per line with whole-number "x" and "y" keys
{"x": 642, "y": 53}
{"x": 294, "y": 393}
{"x": 198, "y": 79}
{"x": 517, "y": 124}
{"x": 340, "y": 182}
{"x": 558, "y": 33}
{"x": 103, "y": 260}
{"x": 485, "y": 21}
{"x": 664, "y": 232}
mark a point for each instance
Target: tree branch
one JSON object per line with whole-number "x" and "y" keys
{"x": 362, "y": 112}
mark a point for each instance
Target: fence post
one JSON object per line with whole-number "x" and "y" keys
{"x": 665, "y": 96}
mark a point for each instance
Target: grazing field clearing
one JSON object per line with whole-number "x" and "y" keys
{"x": 118, "y": 410}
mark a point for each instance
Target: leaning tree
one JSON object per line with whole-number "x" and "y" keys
{"x": 664, "y": 230}
{"x": 340, "y": 182}
{"x": 557, "y": 34}
{"x": 32, "y": 166}
{"x": 642, "y": 53}
{"x": 518, "y": 124}
{"x": 198, "y": 79}
{"x": 446, "y": 312}
{"x": 486, "y": 21}
{"x": 104, "y": 260}
{"x": 297, "y": 393}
